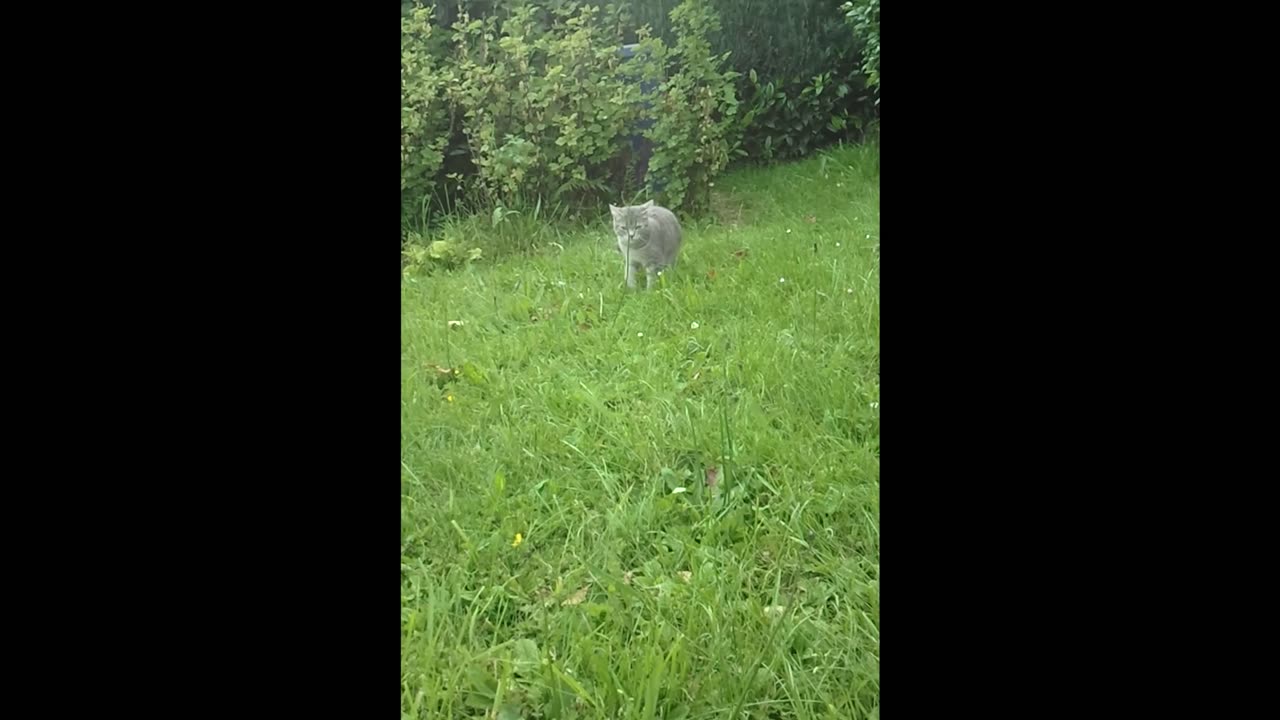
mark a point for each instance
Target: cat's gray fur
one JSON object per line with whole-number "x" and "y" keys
{"x": 648, "y": 238}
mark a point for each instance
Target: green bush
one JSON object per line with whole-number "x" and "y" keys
{"x": 791, "y": 120}
{"x": 808, "y": 91}
{"x": 780, "y": 39}
{"x": 543, "y": 102}
{"x": 805, "y": 89}
{"x": 696, "y": 120}
{"x": 532, "y": 104}
{"x": 864, "y": 17}
{"x": 424, "y": 119}
{"x": 547, "y": 105}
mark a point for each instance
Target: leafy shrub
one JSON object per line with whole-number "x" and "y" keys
{"x": 790, "y": 121}
{"x": 780, "y": 39}
{"x": 800, "y": 53}
{"x": 864, "y": 17}
{"x": 547, "y": 104}
{"x": 696, "y": 124}
{"x": 533, "y": 104}
{"x": 543, "y": 102}
{"x": 424, "y": 119}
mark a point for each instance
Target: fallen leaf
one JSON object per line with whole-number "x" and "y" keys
{"x": 811, "y": 219}
{"x": 713, "y": 476}
{"x": 455, "y": 324}
{"x": 584, "y": 326}
{"x": 741, "y": 253}
{"x": 685, "y": 575}
{"x": 774, "y": 611}
{"x": 444, "y": 374}
{"x": 577, "y": 597}
{"x": 711, "y": 274}
{"x": 627, "y": 577}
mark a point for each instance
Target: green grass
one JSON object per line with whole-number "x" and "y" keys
{"x": 577, "y": 412}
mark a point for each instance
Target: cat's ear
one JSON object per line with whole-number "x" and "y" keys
{"x": 647, "y": 205}
{"x": 616, "y": 212}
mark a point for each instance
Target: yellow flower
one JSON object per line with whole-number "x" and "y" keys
{"x": 519, "y": 539}
{"x": 449, "y": 398}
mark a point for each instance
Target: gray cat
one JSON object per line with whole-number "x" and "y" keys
{"x": 648, "y": 238}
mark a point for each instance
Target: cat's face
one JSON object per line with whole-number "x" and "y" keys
{"x": 631, "y": 223}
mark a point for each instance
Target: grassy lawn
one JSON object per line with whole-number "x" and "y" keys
{"x": 655, "y": 504}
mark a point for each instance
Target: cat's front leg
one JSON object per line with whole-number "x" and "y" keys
{"x": 631, "y": 275}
